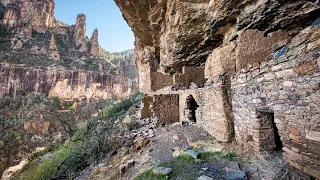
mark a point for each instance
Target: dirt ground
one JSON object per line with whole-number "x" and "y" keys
{"x": 158, "y": 147}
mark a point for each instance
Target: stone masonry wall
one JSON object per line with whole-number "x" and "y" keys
{"x": 217, "y": 117}
{"x": 182, "y": 104}
{"x": 166, "y": 108}
{"x": 146, "y": 111}
{"x": 214, "y": 113}
{"x": 287, "y": 86}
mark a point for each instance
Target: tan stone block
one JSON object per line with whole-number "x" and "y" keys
{"x": 259, "y": 140}
{"x": 287, "y": 83}
{"x": 294, "y": 131}
{"x": 312, "y": 171}
{"x": 293, "y": 154}
{"x": 299, "y": 39}
{"x": 277, "y": 67}
{"x": 269, "y": 76}
{"x": 295, "y": 138}
{"x": 305, "y": 68}
{"x": 285, "y": 73}
{"x": 313, "y": 45}
{"x": 297, "y": 166}
{"x": 313, "y": 135}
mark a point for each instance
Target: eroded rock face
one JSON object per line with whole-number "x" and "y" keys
{"x": 65, "y": 84}
{"x": 184, "y": 32}
{"x": 52, "y": 45}
{"x": 40, "y": 14}
{"x": 95, "y": 47}
{"x": 53, "y": 50}
{"x": 80, "y": 32}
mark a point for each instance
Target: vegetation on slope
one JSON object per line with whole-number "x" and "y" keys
{"x": 125, "y": 61}
{"x": 20, "y": 133}
{"x": 35, "y": 53}
{"x": 89, "y": 143}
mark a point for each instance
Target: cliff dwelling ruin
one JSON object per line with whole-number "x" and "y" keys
{"x": 254, "y": 74}
{"x": 247, "y": 73}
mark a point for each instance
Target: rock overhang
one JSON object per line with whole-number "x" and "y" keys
{"x": 184, "y": 32}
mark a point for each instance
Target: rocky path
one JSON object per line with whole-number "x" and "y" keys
{"x": 150, "y": 145}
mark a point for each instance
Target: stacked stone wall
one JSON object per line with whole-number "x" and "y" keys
{"x": 146, "y": 111}
{"x": 288, "y": 86}
{"x": 217, "y": 117}
{"x": 262, "y": 90}
{"x": 183, "y": 106}
{"x": 166, "y": 108}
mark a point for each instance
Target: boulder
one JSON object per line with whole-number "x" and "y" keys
{"x": 162, "y": 171}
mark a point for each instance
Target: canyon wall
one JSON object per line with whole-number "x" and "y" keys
{"x": 251, "y": 66}
{"x": 40, "y": 54}
{"x": 40, "y": 14}
{"x": 62, "y": 83}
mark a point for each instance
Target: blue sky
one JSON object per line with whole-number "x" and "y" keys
{"x": 114, "y": 33}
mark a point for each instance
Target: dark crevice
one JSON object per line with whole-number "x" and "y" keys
{"x": 191, "y": 107}
{"x": 277, "y": 138}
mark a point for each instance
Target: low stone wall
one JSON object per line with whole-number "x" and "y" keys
{"x": 214, "y": 113}
{"x": 166, "y": 108}
{"x": 287, "y": 88}
{"x": 146, "y": 111}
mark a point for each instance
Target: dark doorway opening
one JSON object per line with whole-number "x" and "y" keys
{"x": 268, "y": 132}
{"x": 277, "y": 138}
{"x": 191, "y": 107}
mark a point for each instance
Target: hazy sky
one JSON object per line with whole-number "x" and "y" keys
{"x": 114, "y": 33}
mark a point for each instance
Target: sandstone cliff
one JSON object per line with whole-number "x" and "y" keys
{"x": 38, "y": 13}
{"x": 65, "y": 84}
{"x": 185, "y": 32}
{"x": 33, "y": 41}
{"x": 252, "y": 67}
{"x": 95, "y": 48}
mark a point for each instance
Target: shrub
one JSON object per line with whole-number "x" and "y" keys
{"x": 88, "y": 144}
{"x": 133, "y": 125}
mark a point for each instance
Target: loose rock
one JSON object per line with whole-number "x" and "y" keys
{"x": 192, "y": 153}
{"x": 162, "y": 171}
{"x": 204, "y": 178}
